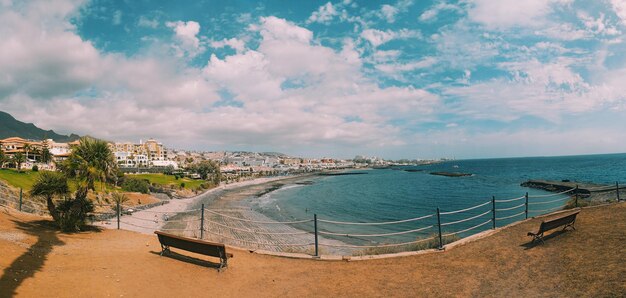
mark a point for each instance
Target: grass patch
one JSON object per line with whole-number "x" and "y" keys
{"x": 169, "y": 180}
{"x": 429, "y": 244}
{"x": 24, "y": 179}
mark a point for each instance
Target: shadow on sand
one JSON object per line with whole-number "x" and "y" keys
{"x": 31, "y": 261}
{"x": 188, "y": 259}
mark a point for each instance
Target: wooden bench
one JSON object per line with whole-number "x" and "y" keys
{"x": 194, "y": 245}
{"x": 547, "y": 225}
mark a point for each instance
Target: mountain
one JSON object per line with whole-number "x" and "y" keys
{"x": 10, "y": 127}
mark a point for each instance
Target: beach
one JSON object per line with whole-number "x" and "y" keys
{"x": 147, "y": 221}
{"x": 230, "y": 219}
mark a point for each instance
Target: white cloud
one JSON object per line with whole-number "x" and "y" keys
{"x": 504, "y": 14}
{"x": 545, "y": 90}
{"x": 117, "y": 17}
{"x": 145, "y": 22}
{"x": 599, "y": 25}
{"x": 329, "y": 88}
{"x": 324, "y": 14}
{"x": 409, "y": 66}
{"x": 619, "y": 7}
{"x": 461, "y": 48}
{"x": 432, "y": 13}
{"x": 384, "y": 56}
{"x": 563, "y": 31}
{"x": 378, "y": 37}
{"x": 293, "y": 93}
{"x": 234, "y": 43}
{"x": 389, "y": 12}
{"x": 187, "y": 37}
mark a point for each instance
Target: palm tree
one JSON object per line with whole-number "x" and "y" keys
{"x": 119, "y": 198}
{"x": 27, "y": 148}
{"x": 90, "y": 160}
{"x": 3, "y": 158}
{"x": 19, "y": 158}
{"x": 46, "y": 156}
{"x": 49, "y": 185}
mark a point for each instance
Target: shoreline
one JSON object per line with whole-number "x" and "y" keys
{"x": 228, "y": 204}
{"x": 148, "y": 220}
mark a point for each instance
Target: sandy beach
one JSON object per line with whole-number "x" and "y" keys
{"x": 225, "y": 207}
{"x": 149, "y": 220}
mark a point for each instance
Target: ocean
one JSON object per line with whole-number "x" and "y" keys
{"x": 383, "y": 195}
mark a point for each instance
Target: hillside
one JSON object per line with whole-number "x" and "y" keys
{"x": 10, "y": 127}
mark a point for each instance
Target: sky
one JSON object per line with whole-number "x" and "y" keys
{"x": 394, "y": 79}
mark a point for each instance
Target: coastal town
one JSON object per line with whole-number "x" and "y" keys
{"x": 152, "y": 156}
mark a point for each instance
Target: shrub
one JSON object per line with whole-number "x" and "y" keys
{"x": 73, "y": 213}
{"x": 182, "y": 185}
{"x": 35, "y": 168}
{"x": 136, "y": 185}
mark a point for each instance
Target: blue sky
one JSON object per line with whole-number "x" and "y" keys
{"x": 397, "y": 79}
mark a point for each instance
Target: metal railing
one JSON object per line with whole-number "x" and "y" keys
{"x": 438, "y": 225}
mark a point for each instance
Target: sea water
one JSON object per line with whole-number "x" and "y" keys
{"x": 382, "y": 195}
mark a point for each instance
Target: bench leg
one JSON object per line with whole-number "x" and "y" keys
{"x": 164, "y": 249}
{"x": 538, "y": 237}
{"x": 223, "y": 262}
{"x": 569, "y": 226}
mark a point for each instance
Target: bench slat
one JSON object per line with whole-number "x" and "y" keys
{"x": 557, "y": 222}
{"x": 554, "y": 223}
{"x": 194, "y": 245}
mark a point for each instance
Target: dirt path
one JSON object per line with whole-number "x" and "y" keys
{"x": 38, "y": 261}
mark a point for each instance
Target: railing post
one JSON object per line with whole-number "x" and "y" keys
{"x": 617, "y": 190}
{"x": 118, "y": 215}
{"x": 493, "y": 211}
{"x": 202, "y": 223}
{"x": 576, "y": 196}
{"x": 526, "y": 204}
{"x": 21, "y": 199}
{"x": 439, "y": 226}
{"x": 315, "y": 228}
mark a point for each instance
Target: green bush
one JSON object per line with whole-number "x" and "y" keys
{"x": 182, "y": 185}
{"x": 35, "y": 168}
{"x": 136, "y": 185}
{"x": 73, "y": 213}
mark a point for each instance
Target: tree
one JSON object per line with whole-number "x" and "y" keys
{"x": 27, "y": 148}
{"x": 168, "y": 170}
{"x": 207, "y": 167}
{"x": 3, "y": 158}
{"x": 36, "y": 154}
{"x": 136, "y": 185}
{"x": 90, "y": 160}
{"x": 46, "y": 156}
{"x": 19, "y": 159}
{"x": 119, "y": 198}
{"x": 73, "y": 213}
{"x": 49, "y": 185}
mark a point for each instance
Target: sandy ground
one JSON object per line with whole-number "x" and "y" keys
{"x": 39, "y": 261}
